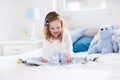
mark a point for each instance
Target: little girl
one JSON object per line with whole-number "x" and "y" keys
{"x": 57, "y": 43}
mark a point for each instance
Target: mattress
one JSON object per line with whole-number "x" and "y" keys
{"x": 107, "y": 68}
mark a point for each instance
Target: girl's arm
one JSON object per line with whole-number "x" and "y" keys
{"x": 46, "y": 51}
{"x": 69, "y": 47}
{"x": 68, "y": 42}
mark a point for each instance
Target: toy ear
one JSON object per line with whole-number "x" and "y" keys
{"x": 113, "y": 27}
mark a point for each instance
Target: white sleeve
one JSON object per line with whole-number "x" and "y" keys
{"x": 68, "y": 41}
{"x": 46, "y": 49}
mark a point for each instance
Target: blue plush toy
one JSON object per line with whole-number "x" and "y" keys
{"x": 105, "y": 44}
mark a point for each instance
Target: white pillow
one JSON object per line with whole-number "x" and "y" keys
{"x": 91, "y": 32}
{"x": 77, "y": 33}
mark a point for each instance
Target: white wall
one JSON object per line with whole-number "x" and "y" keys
{"x": 97, "y": 19}
{"x": 6, "y": 18}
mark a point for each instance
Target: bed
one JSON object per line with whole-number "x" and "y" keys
{"x": 106, "y": 69}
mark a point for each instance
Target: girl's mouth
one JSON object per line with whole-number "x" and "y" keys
{"x": 55, "y": 32}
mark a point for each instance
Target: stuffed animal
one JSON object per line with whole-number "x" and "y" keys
{"x": 105, "y": 43}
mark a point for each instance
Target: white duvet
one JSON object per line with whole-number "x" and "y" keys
{"x": 108, "y": 68}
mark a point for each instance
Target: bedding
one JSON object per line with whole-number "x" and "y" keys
{"x": 107, "y": 68}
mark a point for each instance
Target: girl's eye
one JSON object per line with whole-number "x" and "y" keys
{"x": 58, "y": 27}
{"x": 52, "y": 28}
{"x": 105, "y": 28}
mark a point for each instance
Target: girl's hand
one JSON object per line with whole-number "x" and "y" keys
{"x": 44, "y": 60}
{"x": 68, "y": 58}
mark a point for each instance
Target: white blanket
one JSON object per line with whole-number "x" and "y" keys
{"x": 106, "y": 69}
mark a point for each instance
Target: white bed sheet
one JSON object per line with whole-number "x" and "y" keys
{"x": 108, "y": 68}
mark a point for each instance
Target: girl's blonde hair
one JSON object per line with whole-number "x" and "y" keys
{"x": 52, "y": 16}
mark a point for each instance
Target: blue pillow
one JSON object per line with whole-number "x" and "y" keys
{"x": 82, "y": 44}
{"x": 77, "y": 33}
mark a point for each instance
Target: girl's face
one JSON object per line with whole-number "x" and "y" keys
{"x": 55, "y": 28}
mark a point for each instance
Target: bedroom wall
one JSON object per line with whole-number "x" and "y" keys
{"x": 7, "y": 10}
{"x": 13, "y": 20}
{"x": 96, "y": 19}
